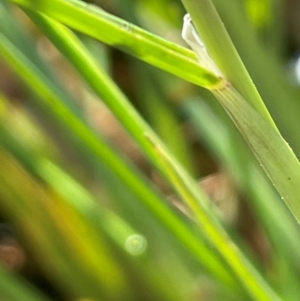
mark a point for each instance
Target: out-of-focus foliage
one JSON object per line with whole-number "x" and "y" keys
{"x": 98, "y": 150}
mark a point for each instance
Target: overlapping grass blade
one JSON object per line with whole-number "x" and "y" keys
{"x": 208, "y": 23}
{"x": 228, "y": 147}
{"x": 236, "y": 106}
{"x": 277, "y": 159}
{"x": 57, "y": 232}
{"x": 97, "y": 149}
{"x": 56, "y": 31}
{"x": 273, "y": 153}
{"x": 90, "y": 19}
{"x": 79, "y": 210}
{"x": 250, "y": 279}
{"x": 268, "y": 74}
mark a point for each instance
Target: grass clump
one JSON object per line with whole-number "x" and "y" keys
{"x": 101, "y": 154}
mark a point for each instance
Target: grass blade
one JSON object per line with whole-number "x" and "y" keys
{"x": 234, "y": 155}
{"x": 118, "y": 33}
{"x": 208, "y": 23}
{"x": 14, "y": 289}
{"x": 273, "y": 153}
{"x": 268, "y": 74}
{"x": 96, "y": 148}
{"x": 249, "y": 278}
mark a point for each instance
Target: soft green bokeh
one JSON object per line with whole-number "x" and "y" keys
{"x": 103, "y": 223}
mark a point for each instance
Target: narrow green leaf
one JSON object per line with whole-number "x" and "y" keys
{"x": 220, "y": 47}
{"x": 273, "y": 153}
{"x": 123, "y": 35}
{"x": 57, "y": 232}
{"x": 233, "y": 153}
{"x": 269, "y": 75}
{"x": 52, "y": 99}
{"x": 251, "y": 280}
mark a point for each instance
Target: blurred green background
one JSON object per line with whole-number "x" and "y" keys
{"x": 78, "y": 224}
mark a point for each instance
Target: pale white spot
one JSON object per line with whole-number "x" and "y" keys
{"x": 193, "y": 39}
{"x": 136, "y": 244}
{"x": 297, "y": 70}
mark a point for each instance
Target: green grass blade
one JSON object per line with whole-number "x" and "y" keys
{"x": 97, "y": 149}
{"x": 104, "y": 221}
{"x": 273, "y": 153}
{"x": 118, "y": 33}
{"x": 248, "y": 276}
{"x": 277, "y": 158}
{"x": 250, "y": 279}
{"x": 268, "y": 74}
{"x": 208, "y": 23}
{"x": 233, "y": 153}
{"x": 14, "y": 289}
{"x": 58, "y": 232}
{"x": 95, "y": 76}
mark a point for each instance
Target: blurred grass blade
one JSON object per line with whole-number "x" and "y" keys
{"x": 102, "y": 84}
{"x": 74, "y": 197}
{"x": 58, "y": 232}
{"x": 248, "y": 276}
{"x": 12, "y": 288}
{"x": 273, "y": 153}
{"x": 223, "y": 138}
{"x": 83, "y": 201}
{"x": 10, "y": 30}
{"x": 104, "y": 156}
{"x": 67, "y": 42}
{"x": 118, "y": 33}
